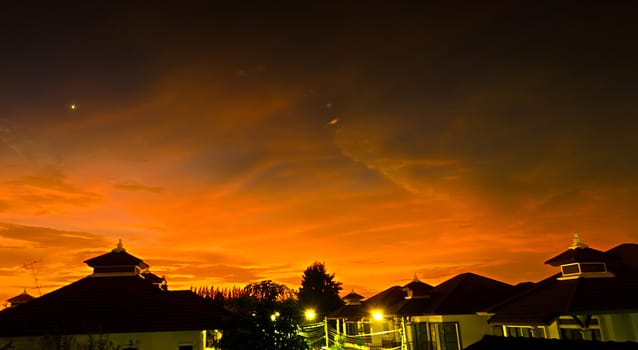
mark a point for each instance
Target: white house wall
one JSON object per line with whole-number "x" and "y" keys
{"x": 143, "y": 341}
{"x": 619, "y": 327}
{"x": 472, "y": 328}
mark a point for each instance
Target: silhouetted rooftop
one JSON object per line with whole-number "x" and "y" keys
{"x": 552, "y": 297}
{"x": 96, "y": 305}
{"x": 580, "y": 255}
{"x": 115, "y": 259}
{"x": 21, "y": 298}
{"x": 466, "y": 293}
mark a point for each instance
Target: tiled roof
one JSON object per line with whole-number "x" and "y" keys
{"x": 389, "y": 300}
{"x": 466, "y": 293}
{"x": 551, "y": 297}
{"x": 152, "y": 278}
{"x": 21, "y": 298}
{"x": 349, "y": 312}
{"x": 114, "y": 258}
{"x": 353, "y": 295}
{"x": 580, "y": 255}
{"x": 418, "y": 288}
{"x": 627, "y": 254}
{"x": 96, "y": 305}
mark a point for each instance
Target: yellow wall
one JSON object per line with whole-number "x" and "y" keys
{"x": 144, "y": 341}
{"x": 472, "y": 328}
{"x": 619, "y": 327}
{"x": 613, "y": 327}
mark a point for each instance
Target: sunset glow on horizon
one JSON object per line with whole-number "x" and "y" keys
{"x": 227, "y": 145}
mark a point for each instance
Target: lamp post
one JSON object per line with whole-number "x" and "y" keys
{"x": 313, "y": 330}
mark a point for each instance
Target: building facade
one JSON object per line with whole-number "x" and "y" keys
{"x": 122, "y": 304}
{"x": 593, "y": 297}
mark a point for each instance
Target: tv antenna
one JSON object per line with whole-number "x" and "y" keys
{"x": 31, "y": 266}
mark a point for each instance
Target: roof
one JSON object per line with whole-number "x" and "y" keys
{"x": 389, "y": 300}
{"x": 349, "y": 312}
{"x": 353, "y": 295}
{"x": 574, "y": 255}
{"x": 153, "y": 278}
{"x": 466, "y": 293}
{"x": 551, "y": 297}
{"x": 119, "y": 304}
{"x": 627, "y": 253}
{"x": 418, "y": 288}
{"x": 21, "y": 298}
{"x": 121, "y": 258}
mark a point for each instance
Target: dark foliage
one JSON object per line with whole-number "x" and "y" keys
{"x": 265, "y": 317}
{"x": 319, "y": 290}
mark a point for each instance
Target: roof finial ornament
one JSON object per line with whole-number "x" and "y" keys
{"x": 119, "y": 248}
{"x": 415, "y": 278}
{"x": 577, "y": 243}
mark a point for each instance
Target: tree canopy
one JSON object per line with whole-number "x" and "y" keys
{"x": 319, "y": 290}
{"x": 266, "y": 316}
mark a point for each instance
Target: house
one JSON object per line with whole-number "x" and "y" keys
{"x": 346, "y": 321}
{"x": 20, "y": 299}
{"x": 419, "y": 316}
{"x": 446, "y": 317}
{"x": 121, "y": 303}
{"x": 593, "y": 297}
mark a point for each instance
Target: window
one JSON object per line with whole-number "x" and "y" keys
{"x": 445, "y": 336}
{"x": 420, "y": 336}
{"x": 571, "y": 334}
{"x": 579, "y": 334}
{"x": 595, "y": 334}
{"x": 570, "y": 269}
{"x": 351, "y": 328}
{"x": 213, "y": 337}
{"x": 592, "y": 267}
{"x": 522, "y": 332}
{"x": 132, "y": 345}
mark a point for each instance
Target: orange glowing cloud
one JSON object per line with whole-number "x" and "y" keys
{"x": 214, "y": 155}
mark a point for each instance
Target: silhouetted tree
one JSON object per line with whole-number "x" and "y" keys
{"x": 221, "y": 296}
{"x": 319, "y": 290}
{"x": 266, "y": 316}
{"x": 269, "y": 291}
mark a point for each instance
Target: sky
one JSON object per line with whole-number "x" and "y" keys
{"x": 227, "y": 143}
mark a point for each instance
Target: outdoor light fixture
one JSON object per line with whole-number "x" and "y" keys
{"x": 310, "y": 314}
{"x": 377, "y": 315}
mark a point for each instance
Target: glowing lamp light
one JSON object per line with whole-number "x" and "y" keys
{"x": 377, "y": 315}
{"x": 310, "y": 314}
{"x": 73, "y": 106}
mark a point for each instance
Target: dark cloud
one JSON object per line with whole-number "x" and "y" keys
{"x": 464, "y": 130}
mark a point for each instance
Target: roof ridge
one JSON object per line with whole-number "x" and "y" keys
{"x": 524, "y": 293}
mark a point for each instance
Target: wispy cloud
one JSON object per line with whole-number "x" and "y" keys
{"x": 130, "y": 186}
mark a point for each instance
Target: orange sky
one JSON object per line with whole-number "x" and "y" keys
{"x": 227, "y": 145}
